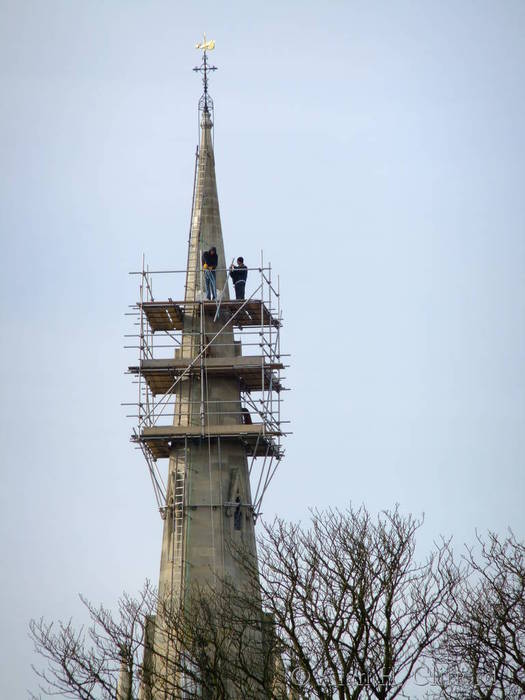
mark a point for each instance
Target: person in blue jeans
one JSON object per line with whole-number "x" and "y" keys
{"x": 209, "y": 265}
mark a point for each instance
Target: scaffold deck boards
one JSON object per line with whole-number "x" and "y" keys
{"x": 258, "y": 442}
{"x": 169, "y": 315}
{"x": 253, "y": 372}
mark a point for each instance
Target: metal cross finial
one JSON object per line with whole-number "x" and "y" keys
{"x": 205, "y": 101}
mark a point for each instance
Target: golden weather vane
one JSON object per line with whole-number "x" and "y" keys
{"x": 206, "y": 45}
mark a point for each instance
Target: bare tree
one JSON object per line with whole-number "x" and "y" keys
{"x": 482, "y": 654}
{"x": 353, "y": 610}
{"x": 87, "y": 663}
{"x": 348, "y": 613}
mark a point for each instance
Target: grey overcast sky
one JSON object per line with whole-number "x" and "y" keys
{"x": 375, "y": 150}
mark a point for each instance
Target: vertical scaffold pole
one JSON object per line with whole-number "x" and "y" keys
{"x": 201, "y": 349}
{"x": 262, "y": 345}
{"x": 141, "y": 340}
{"x": 279, "y": 358}
{"x": 270, "y": 354}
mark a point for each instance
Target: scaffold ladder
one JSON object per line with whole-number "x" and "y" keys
{"x": 178, "y": 503}
{"x": 178, "y": 509}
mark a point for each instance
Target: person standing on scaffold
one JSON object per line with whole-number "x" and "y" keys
{"x": 209, "y": 264}
{"x": 239, "y": 274}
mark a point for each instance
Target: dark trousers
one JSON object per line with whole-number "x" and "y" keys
{"x": 239, "y": 289}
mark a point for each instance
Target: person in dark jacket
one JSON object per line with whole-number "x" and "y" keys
{"x": 239, "y": 274}
{"x": 209, "y": 264}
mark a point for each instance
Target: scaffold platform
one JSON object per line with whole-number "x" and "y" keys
{"x": 256, "y": 438}
{"x": 169, "y": 315}
{"x": 254, "y": 373}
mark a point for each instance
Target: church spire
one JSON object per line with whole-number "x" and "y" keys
{"x": 213, "y": 411}
{"x": 206, "y": 228}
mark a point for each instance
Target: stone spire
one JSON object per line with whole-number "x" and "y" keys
{"x": 206, "y": 228}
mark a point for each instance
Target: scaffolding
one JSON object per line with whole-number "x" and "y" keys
{"x": 232, "y": 339}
